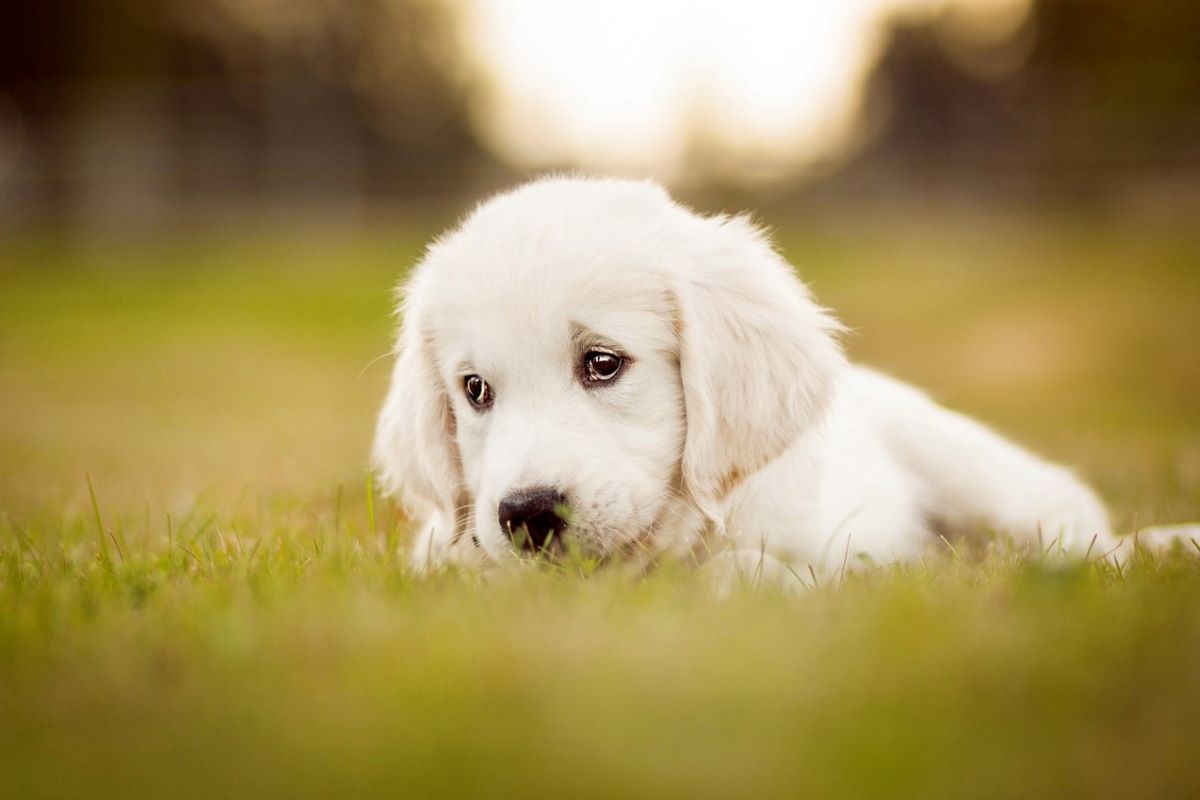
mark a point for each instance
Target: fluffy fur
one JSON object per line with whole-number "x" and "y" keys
{"x": 736, "y": 432}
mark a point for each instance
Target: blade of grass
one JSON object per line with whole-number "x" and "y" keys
{"x": 370, "y": 503}
{"x": 99, "y": 521}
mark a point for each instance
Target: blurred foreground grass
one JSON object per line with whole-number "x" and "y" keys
{"x": 243, "y": 627}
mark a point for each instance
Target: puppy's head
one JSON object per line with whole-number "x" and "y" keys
{"x": 587, "y": 361}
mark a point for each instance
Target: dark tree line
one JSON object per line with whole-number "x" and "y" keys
{"x": 1106, "y": 92}
{"x": 137, "y": 105}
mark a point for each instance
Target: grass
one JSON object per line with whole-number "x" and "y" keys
{"x": 201, "y": 596}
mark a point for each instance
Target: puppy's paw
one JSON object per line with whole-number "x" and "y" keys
{"x": 735, "y": 570}
{"x": 1163, "y": 538}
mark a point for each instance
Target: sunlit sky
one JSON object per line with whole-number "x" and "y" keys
{"x": 632, "y": 84}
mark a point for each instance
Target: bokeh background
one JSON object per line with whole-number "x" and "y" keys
{"x": 135, "y": 114}
{"x": 204, "y": 205}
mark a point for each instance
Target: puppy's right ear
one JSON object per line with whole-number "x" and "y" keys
{"x": 758, "y": 359}
{"x": 414, "y": 452}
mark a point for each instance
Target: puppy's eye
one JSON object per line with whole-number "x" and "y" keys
{"x": 600, "y": 366}
{"x": 477, "y": 391}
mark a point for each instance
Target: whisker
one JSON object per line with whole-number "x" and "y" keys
{"x": 373, "y": 362}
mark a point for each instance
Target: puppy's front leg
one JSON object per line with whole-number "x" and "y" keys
{"x": 436, "y": 545}
{"x": 741, "y": 568}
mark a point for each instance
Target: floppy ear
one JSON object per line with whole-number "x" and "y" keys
{"x": 758, "y": 359}
{"x": 414, "y": 452}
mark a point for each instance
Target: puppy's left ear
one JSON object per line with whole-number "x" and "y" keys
{"x": 758, "y": 358}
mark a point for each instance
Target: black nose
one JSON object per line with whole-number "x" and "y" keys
{"x": 531, "y": 517}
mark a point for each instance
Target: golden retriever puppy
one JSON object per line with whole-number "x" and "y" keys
{"x": 587, "y": 365}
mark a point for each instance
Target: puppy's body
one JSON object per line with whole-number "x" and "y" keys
{"x": 889, "y": 470}
{"x": 587, "y": 361}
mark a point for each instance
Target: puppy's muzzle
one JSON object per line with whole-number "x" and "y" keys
{"x": 533, "y": 517}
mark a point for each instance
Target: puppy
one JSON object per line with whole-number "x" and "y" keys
{"x": 585, "y": 365}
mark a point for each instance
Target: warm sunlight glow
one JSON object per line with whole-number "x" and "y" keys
{"x": 655, "y": 86}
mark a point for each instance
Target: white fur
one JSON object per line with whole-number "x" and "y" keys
{"x": 737, "y": 428}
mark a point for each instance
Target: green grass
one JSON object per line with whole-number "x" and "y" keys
{"x": 230, "y": 616}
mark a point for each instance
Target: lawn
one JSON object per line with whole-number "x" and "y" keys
{"x": 200, "y": 597}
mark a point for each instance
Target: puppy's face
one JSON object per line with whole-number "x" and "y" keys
{"x": 558, "y": 356}
{"x": 584, "y": 363}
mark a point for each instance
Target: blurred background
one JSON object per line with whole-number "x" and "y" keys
{"x": 204, "y": 204}
{"x": 140, "y": 113}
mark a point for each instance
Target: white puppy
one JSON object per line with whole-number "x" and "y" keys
{"x": 587, "y": 364}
